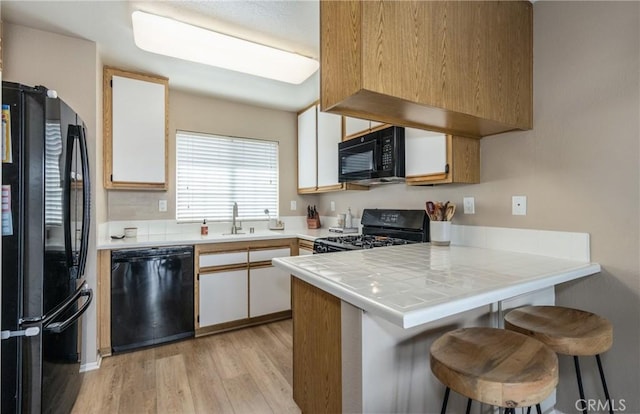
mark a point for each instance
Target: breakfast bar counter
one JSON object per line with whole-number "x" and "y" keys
{"x": 364, "y": 320}
{"x": 415, "y": 284}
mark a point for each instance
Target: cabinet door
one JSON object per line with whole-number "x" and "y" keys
{"x": 425, "y": 152}
{"x": 329, "y": 136}
{"x": 307, "y": 151}
{"x": 353, "y": 126}
{"x": 223, "y": 297}
{"x": 135, "y": 123}
{"x": 269, "y": 292}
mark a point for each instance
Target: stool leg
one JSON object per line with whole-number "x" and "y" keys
{"x": 604, "y": 384}
{"x": 445, "y": 401}
{"x": 580, "y": 389}
{"x": 538, "y": 408}
{"x": 468, "y": 406}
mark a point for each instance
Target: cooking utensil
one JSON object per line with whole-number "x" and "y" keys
{"x": 451, "y": 210}
{"x": 431, "y": 211}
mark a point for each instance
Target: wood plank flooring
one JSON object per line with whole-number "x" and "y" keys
{"x": 244, "y": 371}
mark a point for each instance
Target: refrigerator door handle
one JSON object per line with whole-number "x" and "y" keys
{"x": 57, "y": 327}
{"x": 86, "y": 199}
{"x": 55, "y": 312}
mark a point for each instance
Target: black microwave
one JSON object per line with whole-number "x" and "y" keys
{"x": 374, "y": 158}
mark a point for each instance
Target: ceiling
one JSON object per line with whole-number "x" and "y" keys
{"x": 288, "y": 25}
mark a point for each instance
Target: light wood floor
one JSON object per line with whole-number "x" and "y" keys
{"x": 244, "y": 371}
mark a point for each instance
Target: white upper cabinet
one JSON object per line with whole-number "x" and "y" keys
{"x": 425, "y": 152}
{"x": 436, "y": 158}
{"x": 356, "y": 126}
{"x": 135, "y": 130}
{"x": 307, "y": 150}
{"x": 319, "y": 134}
{"x": 329, "y": 136}
{"x": 353, "y": 126}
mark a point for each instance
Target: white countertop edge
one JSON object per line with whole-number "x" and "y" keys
{"x": 441, "y": 310}
{"x": 428, "y": 314}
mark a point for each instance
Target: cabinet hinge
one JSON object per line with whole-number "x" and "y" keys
{"x": 111, "y": 83}
{"x": 446, "y": 168}
{"x": 198, "y": 277}
{"x": 198, "y": 318}
{"x": 111, "y": 177}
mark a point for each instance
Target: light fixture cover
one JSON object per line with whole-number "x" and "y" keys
{"x": 169, "y": 37}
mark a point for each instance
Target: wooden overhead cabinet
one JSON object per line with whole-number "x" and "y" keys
{"x": 460, "y": 67}
{"x": 135, "y": 130}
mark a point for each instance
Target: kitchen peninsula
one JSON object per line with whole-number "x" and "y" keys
{"x": 364, "y": 320}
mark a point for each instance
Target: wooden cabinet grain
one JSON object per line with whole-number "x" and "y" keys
{"x": 135, "y": 124}
{"x": 463, "y": 68}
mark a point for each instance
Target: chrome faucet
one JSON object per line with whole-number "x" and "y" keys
{"x": 234, "y": 214}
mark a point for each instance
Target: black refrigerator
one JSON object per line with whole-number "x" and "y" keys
{"x": 45, "y": 230}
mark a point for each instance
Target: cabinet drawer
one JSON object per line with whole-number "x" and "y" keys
{"x": 262, "y": 255}
{"x": 220, "y": 259}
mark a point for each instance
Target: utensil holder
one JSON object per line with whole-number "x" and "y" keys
{"x": 440, "y": 233}
{"x": 313, "y": 223}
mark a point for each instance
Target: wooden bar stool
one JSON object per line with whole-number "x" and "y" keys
{"x": 494, "y": 366}
{"x": 569, "y": 332}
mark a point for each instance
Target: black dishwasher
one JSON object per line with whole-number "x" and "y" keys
{"x": 151, "y": 296}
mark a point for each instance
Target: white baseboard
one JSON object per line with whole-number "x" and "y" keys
{"x": 91, "y": 365}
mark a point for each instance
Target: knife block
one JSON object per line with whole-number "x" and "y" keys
{"x": 313, "y": 223}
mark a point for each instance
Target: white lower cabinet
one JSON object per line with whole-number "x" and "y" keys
{"x": 269, "y": 291}
{"x": 223, "y": 297}
{"x": 240, "y": 283}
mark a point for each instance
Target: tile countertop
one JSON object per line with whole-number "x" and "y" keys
{"x": 173, "y": 239}
{"x": 415, "y": 284}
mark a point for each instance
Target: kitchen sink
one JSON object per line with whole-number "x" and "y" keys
{"x": 232, "y": 234}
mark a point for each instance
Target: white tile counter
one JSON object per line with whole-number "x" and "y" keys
{"x": 416, "y": 284}
{"x": 150, "y": 234}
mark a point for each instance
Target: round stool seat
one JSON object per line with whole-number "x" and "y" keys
{"x": 565, "y": 330}
{"x": 495, "y": 366}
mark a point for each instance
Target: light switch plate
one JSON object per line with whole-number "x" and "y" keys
{"x": 519, "y": 205}
{"x": 162, "y": 205}
{"x": 333, "y": 206}
{"x": 294, "y": 205}
{"x": 469, "y": 204}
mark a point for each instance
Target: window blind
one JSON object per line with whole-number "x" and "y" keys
{"x": 53, "y": 182}
{"x": 214, "y": 171}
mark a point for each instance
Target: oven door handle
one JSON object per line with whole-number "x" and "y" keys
{"x": 57, "y": 327}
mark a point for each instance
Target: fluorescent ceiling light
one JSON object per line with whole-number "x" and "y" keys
{"x": 183, "y": 41}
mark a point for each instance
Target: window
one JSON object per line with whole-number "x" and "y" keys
{"x": 213, "y": 172}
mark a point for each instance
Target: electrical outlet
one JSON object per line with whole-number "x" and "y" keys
{"x": 519, "y": 205}
{"x": 162, "y": 206}
{"x": 294, "y": 205}
{"x": 333, "y": 206}
{"x": 469, "y": 204}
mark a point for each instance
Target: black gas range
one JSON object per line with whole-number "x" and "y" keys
{"x": 380, "y": 227}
